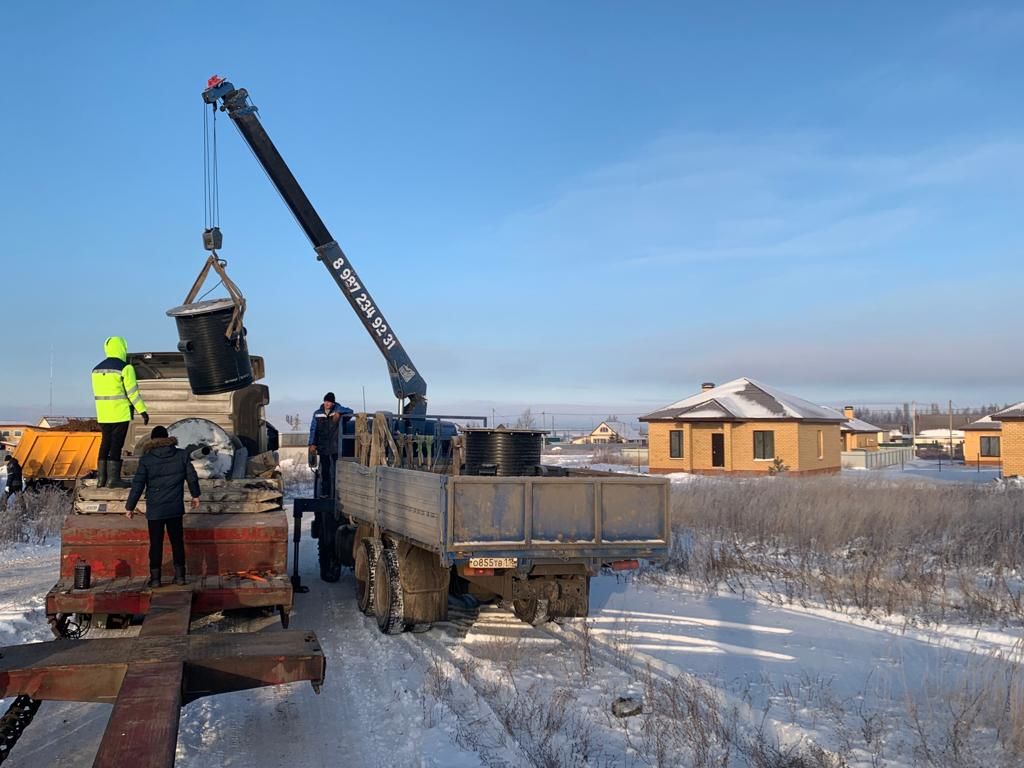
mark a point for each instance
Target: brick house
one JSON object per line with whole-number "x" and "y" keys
{"x": 983, "y": 442}
{"x": 741, "y": 428}
{"x": 613, "y": 432}
{"x": 857, "y": 435}
{"x": 1011, "y": 439}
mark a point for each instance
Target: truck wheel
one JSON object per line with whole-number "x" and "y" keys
{"x": 389, "y": 599}
{"x": 366, "y": 576}
{"x": 533, "y": 611}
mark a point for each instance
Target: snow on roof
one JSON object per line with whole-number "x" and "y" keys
{"x": 60, "y": 421}
{"x": 744, "y": 399}
{"x": 1015, "y": 411}
{"x": 623, "y": 430}
{"x": 853, "y": 425}
{"x": 945, "y": 434}
{"x": 985, "y": 422}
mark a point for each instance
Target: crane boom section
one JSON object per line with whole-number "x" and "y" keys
{"x": 408, "y": 385}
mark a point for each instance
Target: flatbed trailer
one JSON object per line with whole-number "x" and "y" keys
{"x": 534, "y": 541}
{"x": 234, "y": 559}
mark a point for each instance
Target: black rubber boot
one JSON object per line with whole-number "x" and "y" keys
{"x": 101, "y": 473}
{"x": 114, "y": 475}
{"x": 179, "y": 575}
{"x": 154, "y": 578}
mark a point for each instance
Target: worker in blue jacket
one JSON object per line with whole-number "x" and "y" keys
{"x": 325, "y": 438}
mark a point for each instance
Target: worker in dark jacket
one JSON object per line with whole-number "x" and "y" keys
{"x": 116, "y": 391}
{"x": 324, "y": 439}
{"x": 13, "y": 486}
{"x": 163, "y": 472}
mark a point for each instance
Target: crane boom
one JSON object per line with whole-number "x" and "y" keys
{"x": 408, "y": 385}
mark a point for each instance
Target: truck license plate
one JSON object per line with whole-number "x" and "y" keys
{"x": 492, "y": 562}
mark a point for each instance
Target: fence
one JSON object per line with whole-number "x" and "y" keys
{"x": 883, "y": 457}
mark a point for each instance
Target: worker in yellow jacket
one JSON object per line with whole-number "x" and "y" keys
{"x": 116, "y": 391}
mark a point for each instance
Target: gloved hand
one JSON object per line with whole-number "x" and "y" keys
{"x": 145, "y": 418}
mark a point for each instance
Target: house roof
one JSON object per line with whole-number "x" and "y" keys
{"x": 1013, "y": 412}
{"x": 743, "y": 399}
{"x": 941, "y": 434}
{"x": 622, "y": 429}
{"x": 984, "y": 423}
{"x": 60, "y": 421}
{"x": 853, "y": 425}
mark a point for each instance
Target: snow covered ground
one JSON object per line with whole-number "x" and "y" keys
{"x": 488, "y": 690}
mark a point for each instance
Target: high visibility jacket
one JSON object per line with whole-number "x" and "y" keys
{"x": 114, "y": 385}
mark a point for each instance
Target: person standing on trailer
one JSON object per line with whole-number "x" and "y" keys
{"x": 324, "y": 439}
{"x": 164, "y": 470}
{"x": 116, "y": 391}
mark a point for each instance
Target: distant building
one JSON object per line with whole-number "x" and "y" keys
{"x": 742, "y": 428}
{"x": 983, "y": 442}
{"x": 1011, "y": 439}
{"x": 857, "y": 435}
{"x": 10, "y": 433}
{"x": 53, "y": 422}
{"x": 613, "y": 432}
{"x": 946, "y": 440}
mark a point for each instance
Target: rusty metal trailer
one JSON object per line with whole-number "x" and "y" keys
{"x": 236, "y": 549}
{"x": 534, "y": 541}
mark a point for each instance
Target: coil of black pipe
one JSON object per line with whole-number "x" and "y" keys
{"x": 214, "y": 363}
{"x": 503, "y": 452}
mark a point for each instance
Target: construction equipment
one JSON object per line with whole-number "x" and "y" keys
{"x": 57, "y": 456}
{"x": 413, "y": 534}
{"x": 406, "y": 381}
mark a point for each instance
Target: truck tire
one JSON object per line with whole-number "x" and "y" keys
{"x": 389, "y": 598}
{"x": 533, "y": 611}
{"x": 365, "y": 573}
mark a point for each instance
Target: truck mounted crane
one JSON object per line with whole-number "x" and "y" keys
{"x": 409, "y": 387}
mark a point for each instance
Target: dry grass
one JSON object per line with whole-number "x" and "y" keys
{"x": 929, "y": 552}
{"x": 34, "y": 516}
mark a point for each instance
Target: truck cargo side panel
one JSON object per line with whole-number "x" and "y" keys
{"x": 564, "y": 512}
{"x": 533, "y": 516}
{"x": 489, "y": 510}
{"x": 411, "y": 503}
{"x": 626, "y": 512}
{"x": 356, "y": 488}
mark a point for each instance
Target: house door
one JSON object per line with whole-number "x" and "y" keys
{"x": 717, "y": 449}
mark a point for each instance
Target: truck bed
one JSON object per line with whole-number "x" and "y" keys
{"x": 605, "y": 516}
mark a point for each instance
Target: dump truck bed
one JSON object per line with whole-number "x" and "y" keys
{"x": 56, "y": 455}
{"x": 603, "y": 516}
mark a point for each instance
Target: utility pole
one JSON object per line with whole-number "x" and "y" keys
{"x": 951, "y": 431}
{"x": 913, "y": 422}
{"x": 51, "y": 381}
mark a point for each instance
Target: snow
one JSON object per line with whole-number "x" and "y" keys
{"x": 489, "y": 690}
{"x": 740, "y": 399}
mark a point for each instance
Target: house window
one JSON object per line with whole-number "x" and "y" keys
{"x": 821, "y": 444}
{"x": 603, "y": 429}
{"x": 764, "y": 444}
{"x": 675, "y": 444}
{"x": 990, "y": 446}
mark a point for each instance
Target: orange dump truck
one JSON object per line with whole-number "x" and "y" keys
{"x": 46, "y": 454}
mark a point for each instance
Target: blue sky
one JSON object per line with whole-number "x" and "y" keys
{"x": 589, "y": 206}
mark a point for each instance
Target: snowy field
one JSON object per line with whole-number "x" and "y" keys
{"x": 723, "y": 681}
